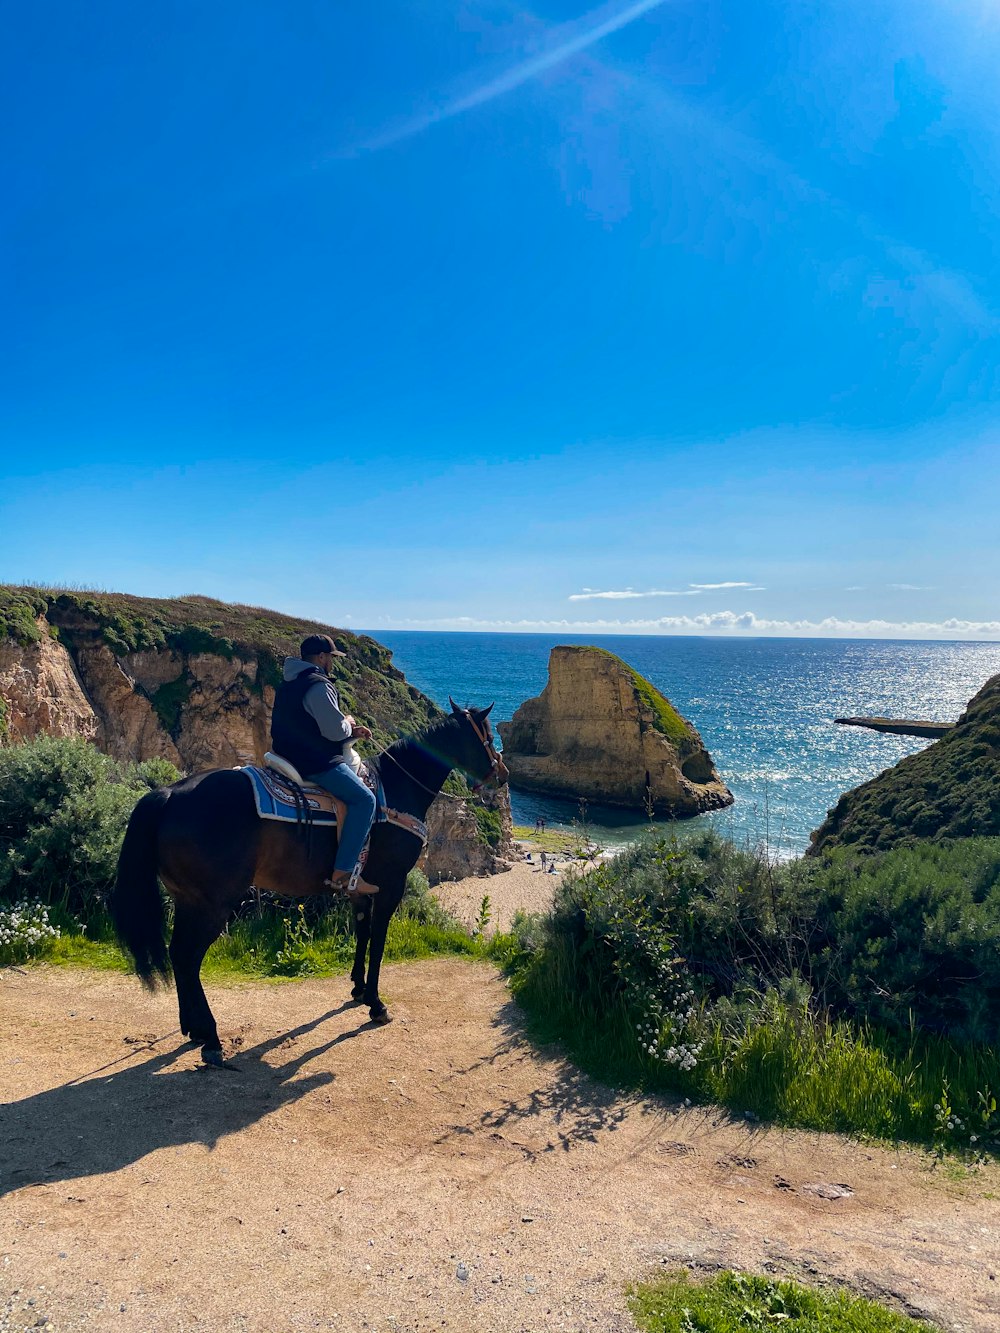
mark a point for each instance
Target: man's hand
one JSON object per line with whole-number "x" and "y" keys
{"x": 360, "y": 733}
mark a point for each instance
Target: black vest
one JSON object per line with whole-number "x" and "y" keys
{"x": 295, "y": 734}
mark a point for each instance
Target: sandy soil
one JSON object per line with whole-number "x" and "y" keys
{"x": 343, "y": 1175}
{"x": 525, "y": 887}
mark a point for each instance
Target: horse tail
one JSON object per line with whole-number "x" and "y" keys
{"x": 137, "y": 907}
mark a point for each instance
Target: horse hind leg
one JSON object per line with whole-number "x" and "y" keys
{"x": 362, "y": 931}
{"x": 193, "y": 933}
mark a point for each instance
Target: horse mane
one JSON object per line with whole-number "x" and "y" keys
{"x": 425, "y": 743}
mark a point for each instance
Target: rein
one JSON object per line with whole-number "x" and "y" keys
{"x": 483, "y": 736}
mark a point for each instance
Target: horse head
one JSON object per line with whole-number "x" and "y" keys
{"x": 477, "y": 756}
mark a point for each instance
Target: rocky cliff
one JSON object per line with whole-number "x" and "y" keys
{"x": 949, "y": 790}
{"x": 192, "y": 680}
{"x": 601, "y": 731}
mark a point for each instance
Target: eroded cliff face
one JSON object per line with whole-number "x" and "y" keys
{"x": 41, "y": 693}
{"x": 456, "y": 847}
{"x": 600, "y": 731}
{"x": 215, "y": 717}
{"x": 205, "y": 709}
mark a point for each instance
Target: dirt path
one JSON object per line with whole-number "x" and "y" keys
{"x": 340, "y": 1179}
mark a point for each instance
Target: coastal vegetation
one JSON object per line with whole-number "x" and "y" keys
{"x": 858, "y": 992}
{"x": 858, "y": 995}
{"x": 664, "y": 715}
{"x": 949, "y": 790}
{"x": 735, "y": 1302}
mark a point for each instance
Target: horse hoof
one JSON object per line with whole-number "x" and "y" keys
{"x": 381, "y": 1018}
{"x": 358, "y": 993}
{"x": 214, "y": 1058}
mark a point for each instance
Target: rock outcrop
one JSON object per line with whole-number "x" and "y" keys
{"x": 949, "y": 790}
{"x": 40, "y": 692}
{"x": 192, "y": 680}
{"x": 899, "y": 726}
{"x": 601, "y": 731}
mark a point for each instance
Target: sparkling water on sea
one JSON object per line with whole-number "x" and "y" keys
{"x": 764, "y": 708}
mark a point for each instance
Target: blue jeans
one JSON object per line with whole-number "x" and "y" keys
{"x": 342, "y": 782}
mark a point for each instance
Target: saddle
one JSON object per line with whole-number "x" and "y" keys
{"x": 280, "y": 792}
{"x": 284, "y": 778}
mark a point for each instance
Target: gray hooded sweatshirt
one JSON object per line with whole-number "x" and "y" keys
{"x": 322, "y": 703}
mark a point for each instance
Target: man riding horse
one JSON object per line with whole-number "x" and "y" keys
{"x": 309, "y": 729}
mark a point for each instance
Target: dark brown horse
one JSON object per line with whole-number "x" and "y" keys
{"x": 203, "y": 840}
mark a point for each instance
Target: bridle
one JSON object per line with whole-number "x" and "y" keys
{"x": 485, "y": 739}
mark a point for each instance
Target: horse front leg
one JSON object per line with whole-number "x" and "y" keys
{"x": 362, "y": 933}
{"x": 382, "y": 909}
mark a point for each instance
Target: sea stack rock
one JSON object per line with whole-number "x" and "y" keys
{"x": 601, "y": 731}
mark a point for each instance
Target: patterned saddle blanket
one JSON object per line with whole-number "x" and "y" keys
{"x": 277, "y": 797}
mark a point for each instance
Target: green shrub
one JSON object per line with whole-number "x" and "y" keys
{"x": 198, "y": 639}
{"x": 169, "y": 700}
{"x": 63, "y": 810}
{"x": 125, "y": 633}
{"x": 906, "y": 937}
{"x": 913, "y": 935}
{"x": 420, "y": 905}
{"x": 19, "y": 612}
{"x": 808, "y": 993}
{"x": 488, "y": 824}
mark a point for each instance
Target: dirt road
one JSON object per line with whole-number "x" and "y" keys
{"x": 438, "y": 1173}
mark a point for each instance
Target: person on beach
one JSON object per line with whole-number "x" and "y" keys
{"x": 309, "y": 729}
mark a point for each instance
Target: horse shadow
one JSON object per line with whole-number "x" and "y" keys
{"x": 101, "y": 1122}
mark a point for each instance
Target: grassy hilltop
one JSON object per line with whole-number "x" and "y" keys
{"x": 370, "y": 685}
{"x": 950, "y": 790}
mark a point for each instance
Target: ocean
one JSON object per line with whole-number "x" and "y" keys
{"x": 764, "y": 708}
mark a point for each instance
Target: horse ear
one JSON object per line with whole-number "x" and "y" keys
{"x": 454, "y": 706}
{"x": 486, "y": 711}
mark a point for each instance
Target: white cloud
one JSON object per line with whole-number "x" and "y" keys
{"x": 589, "y": 595}
{"x": 692, "y": 590}
{"x": 708, "y": 586}
{"x": 911, "y": 587}
{"x": 731, "y": 622}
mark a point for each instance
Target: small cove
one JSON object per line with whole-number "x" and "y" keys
{"x": 764, "y": 708}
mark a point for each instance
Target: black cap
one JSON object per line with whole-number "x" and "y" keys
{"x": 319, "y": 643}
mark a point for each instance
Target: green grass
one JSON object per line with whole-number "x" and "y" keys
{"x": 79, "y": 951}
{"x": 791, "y": 1069}
{"x": 741, "y": 1303}
{"x": 264, "y": 947}
{"x": 552, "y": 840}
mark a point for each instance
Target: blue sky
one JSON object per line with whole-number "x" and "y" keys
{"x": 666, "y": 317}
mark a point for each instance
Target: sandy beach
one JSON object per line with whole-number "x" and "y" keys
{"x": 526, "y": 887}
